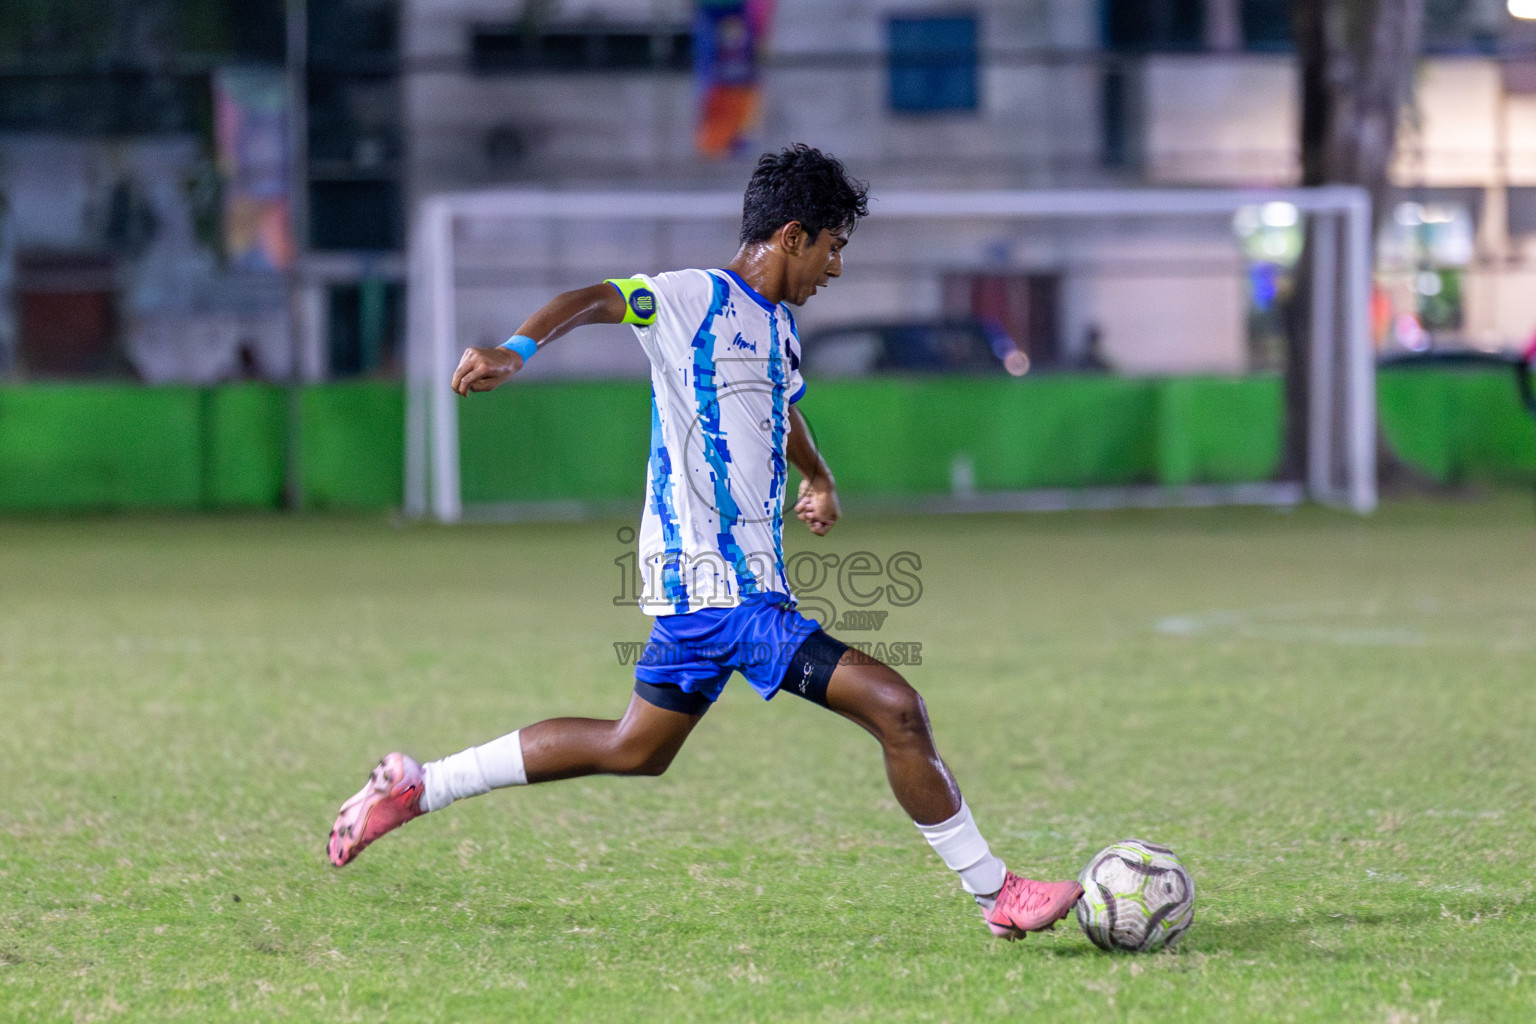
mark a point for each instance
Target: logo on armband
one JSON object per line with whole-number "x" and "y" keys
{"x": 643, "y": 303}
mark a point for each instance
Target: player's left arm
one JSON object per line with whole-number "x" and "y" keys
{"x": 817, "y": 507}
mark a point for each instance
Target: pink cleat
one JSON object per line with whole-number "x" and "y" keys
{"x": 1025, "y": 905}
{"x": 390, "y": 798}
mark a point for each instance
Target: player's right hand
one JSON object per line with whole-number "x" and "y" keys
{"x": 481, "y": 369}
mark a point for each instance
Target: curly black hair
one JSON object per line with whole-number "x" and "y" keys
{"x": 805, "y": 185}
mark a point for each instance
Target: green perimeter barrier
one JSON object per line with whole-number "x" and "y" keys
{"x": 1219, "y": 430}
{"x": 353, "y": 451}
{"x": 107, "y": 446}
{"x": 913, "y": 436}
{"x": 897, "y": 436}
{"x": 243, "y": 434}
{"x": 1457, "y": 423}
{"x": 587, "y": 441}
{"x": 124, "y": 446}
{"x": 100, "y": 446}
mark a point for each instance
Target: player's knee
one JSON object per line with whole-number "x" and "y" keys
{"x": 637, "y": 759}
{"x": 654, "y": 767}
{"x": 903, "y": 717}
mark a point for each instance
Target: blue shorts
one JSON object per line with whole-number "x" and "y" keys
{"x": 697, "y": 652}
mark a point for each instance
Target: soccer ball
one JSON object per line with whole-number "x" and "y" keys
{"x": 1137, "y": 897}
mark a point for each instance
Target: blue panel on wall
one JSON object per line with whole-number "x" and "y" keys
{"x": 933, "y": 64}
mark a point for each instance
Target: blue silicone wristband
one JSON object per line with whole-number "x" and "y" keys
{"x": 522, "y": 345}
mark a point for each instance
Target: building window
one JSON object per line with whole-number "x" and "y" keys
{"x": 1522, "y": 212}
{"x": 355, "y": 194}
{"x": 933, "y": 64}
{"x": 359, "y": 215}
{"x": 502, "y": 49}
{"x": 1141, "y": 26}
{"x": 1120, "y": 121}
{"x": 1267, "y": 26}
{"x": 365, "y": 326}
{"x": 1153, "y": 26}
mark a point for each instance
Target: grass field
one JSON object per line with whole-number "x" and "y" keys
{"x": 1331, "y": 719}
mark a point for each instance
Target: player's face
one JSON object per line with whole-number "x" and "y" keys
{"x": 817, "y": 264}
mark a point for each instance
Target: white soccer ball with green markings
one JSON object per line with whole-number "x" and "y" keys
{"x": 1137, "y": 897}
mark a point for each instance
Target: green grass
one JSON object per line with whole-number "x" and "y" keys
{"x": 1330, "y": 719}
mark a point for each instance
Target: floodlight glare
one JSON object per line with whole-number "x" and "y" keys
{"x": 1523, "y": 9}
{"x": 1278, "y": 215}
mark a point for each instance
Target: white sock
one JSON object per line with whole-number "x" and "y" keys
{"x": 959, "y": 842}
{"x": 474, "y": 771}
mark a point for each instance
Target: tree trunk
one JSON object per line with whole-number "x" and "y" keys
{"x": 1356, "y": 62}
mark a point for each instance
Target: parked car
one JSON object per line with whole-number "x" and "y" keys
{"x": 953, "y": 345}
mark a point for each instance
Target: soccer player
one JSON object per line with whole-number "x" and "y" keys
{"x": 725, "y": 377}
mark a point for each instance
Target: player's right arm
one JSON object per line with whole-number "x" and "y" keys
{"x": 482, "y": 369}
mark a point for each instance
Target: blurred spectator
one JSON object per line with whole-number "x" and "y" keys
{"x": 1090, "y": 358}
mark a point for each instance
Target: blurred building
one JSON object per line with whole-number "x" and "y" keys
{"x": 106, "y": 163}
{"x": 1019, "y": 94}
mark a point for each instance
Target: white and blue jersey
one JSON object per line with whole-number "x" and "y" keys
{"x": 725, "y": 366}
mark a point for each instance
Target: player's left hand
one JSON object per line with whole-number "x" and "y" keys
{"x": 817, "y": 506}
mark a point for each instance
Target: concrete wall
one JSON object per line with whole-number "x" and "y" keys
{"x": 825, "y": 84}
{"x": 1221, "y": 120}
{"x": 1234, "y": 120}
{"x": 1501, "y": 304}
{"x": 1466, "y": 129}
{"x": 1208, "y": 119}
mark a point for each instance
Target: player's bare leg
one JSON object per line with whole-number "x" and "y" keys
{"x": 643, "y": 742}
{"x": 875, "y": 696}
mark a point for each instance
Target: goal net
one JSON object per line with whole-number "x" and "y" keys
{"x": 1149, "y": 284}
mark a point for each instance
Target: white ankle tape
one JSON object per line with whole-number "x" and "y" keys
{"x": 501, "y": 761}
{"x": 473, "y": 772}
{"x": 963, "y": 849}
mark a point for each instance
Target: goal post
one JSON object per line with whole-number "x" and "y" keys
{"x": 465, "y": 246}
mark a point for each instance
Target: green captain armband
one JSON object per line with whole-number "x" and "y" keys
{"x": 639, "y": 300}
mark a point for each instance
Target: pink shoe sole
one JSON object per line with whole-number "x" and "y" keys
{"x": 390, "y": 798}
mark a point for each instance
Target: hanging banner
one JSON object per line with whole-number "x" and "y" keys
{"x": 729, "y": 38}
{"x": 250, "y": 108}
